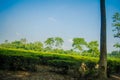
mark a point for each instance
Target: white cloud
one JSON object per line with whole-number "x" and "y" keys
{"x": 52, "y": 19}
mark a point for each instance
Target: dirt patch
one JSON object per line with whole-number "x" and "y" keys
{"x": 42, "y": 73}
{"x": 23, "y": 75}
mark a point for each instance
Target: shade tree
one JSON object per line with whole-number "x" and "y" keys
{"x": 79, "y": 44}
{"x": 93, "y": 47}
{"x": 116, "y": 30}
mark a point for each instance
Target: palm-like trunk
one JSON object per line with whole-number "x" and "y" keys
{"x": 103, "y": 50}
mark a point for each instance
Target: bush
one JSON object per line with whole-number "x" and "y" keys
{"x": 14, "y": 59}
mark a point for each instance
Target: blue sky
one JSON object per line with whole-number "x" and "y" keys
{"x": 37, "y": 20}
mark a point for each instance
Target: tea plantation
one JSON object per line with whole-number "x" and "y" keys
{"x": 16, "y": 59}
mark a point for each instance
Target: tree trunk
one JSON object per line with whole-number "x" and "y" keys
{"x": 103, "y": 51}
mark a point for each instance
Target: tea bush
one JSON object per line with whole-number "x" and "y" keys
{"x": 16, "y": 59}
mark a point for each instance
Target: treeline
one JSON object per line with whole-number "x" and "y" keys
{"x": 54, "y": 44}
{"x": 115, "y": 54}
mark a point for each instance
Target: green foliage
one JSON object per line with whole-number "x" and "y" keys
{"x": 58, "y": 42}
{"x": 49, "y": 42}
{"x": 117, "y": 45}
{"x": 54, "y": 42}
{"x": 89, "y": 54}
{"x": 78, "y": 43}
{"x": 116, "y": 25}
{"x": 53, "y": 45}
{"x": 17, "y": 59}
{"x": 114, "y": 54}
{"x": 114, "y": 65}
{"x": 22, "y": 44}
{"x": 23, "y": 40}
{"x": 37, "y": 46}
{"x": 93, "y": 47}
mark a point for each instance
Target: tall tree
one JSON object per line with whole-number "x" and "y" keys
{"x": 78, "y": 43}
{"x": 103, "y": 51}
{"x": 58, "y": 42}
{"x": 37, "y": 46}
{"x": 6, "y": 41}
{"x": 49, "y": 42}
{"x": 116, "y": 25}
{"x": 93, "y": 47}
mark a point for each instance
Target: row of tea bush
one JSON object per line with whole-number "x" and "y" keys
{"x": 16, "y": 59}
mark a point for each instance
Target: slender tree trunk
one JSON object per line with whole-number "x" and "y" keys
{"x": 103, "y": 51}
